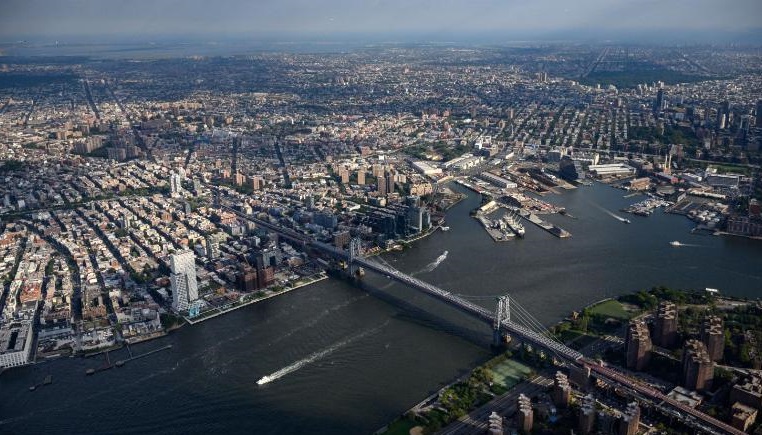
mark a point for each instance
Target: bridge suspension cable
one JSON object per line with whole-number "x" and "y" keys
{"x": 514, "y": 328}
{"x": 526, "y": 318}
{"x": 533, "y": 320}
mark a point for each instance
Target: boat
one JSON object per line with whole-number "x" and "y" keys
{"x": 48, "y": 380}
{"x": 513, "y": 223}
{"x": 445, "y": 228}
{"x": 263, "y": 380}
{"x": 90, "y": 371}
{"x": 675, "y": 243}
{"x": 627, "y": 221}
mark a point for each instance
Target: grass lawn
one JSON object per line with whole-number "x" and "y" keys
{"x": 611, "y": 308}
{"x": 509, "y": 373}
{"x": 401, "y": 426}
{"x": 724, "y": 169}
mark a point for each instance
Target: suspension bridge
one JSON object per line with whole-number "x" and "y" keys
{"x": 509, "y": 318}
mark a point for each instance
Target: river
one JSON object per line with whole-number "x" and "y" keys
{"x": 343, "y": 360}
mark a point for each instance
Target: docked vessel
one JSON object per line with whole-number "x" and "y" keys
{"x": 512, "y": 220}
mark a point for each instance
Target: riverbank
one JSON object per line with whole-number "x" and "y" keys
{"x": 595, "y": 329}
{"x": 482, "y": 386}
{"x": 268, "y": 294}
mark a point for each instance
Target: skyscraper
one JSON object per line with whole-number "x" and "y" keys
{"x": 758, "y": 114}
{"x": 665, "y": 328}
{"x": 630, "y": 421}
{"x": 713, "y": 337}
{"x": 212, "y": 247}
{"x": 524, "y": 414}
{"x": 587, "y": 415}
{"x": 382, "y": 186}
{"x": 175, "y": 184}
{"x": 183, "y": 279}
{"x": 247, "y": 279}
{"x": 561, "y": 390}
{"x": 698, "y": 368}
{"x": 495, "y": 424}
{"x": 659, "y": 102}
{"x": 637, "y": 346}
{"x": 723, "y": 114}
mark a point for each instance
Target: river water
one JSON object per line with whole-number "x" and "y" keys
{"x": 344, "y": 360}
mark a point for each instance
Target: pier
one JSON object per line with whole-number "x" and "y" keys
{"x": 105, "y": 366}
{"x": 47, "y": 381}
{"x": 552, "y": 229}
{"x": 498, "y": 233}
{"x": 120, "y": 363}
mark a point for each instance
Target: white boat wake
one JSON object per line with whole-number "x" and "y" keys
{"x": 675, "y": 243}
{"x": 617, "y": 217}
{"x": 316, "y": 356}
{"x": 434, "y": 264}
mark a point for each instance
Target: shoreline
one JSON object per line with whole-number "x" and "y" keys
{"x": 136, "y": 340}
{"x": 413, "y": 410}
{"x": 315, "y": 278}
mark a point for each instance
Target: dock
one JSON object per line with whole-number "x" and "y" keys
{"x": 47, "y": 381}
{"x": 552, "y": 229}
{"x": 497, "y": 234}
{"x": 469, "y": 186}
{"x": 646, "y": 207}
{"x": 120, "y": 363}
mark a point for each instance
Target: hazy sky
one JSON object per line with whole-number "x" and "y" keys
{"x": 143, "y": 18}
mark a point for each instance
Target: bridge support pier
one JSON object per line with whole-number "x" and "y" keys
{"x": 500, "y": 339}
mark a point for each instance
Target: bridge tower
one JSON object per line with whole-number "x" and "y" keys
{"x": 502, "y": 317}
{"x": 354, "y": 252}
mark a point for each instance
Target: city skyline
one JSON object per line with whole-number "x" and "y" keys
{"x": 489, "y": 20}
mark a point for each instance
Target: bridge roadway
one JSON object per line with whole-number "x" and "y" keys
{"x": 475, "y": 310}
{"x": 660, "y": 399}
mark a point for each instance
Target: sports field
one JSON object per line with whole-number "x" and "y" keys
{"x": 509, "y": 373}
